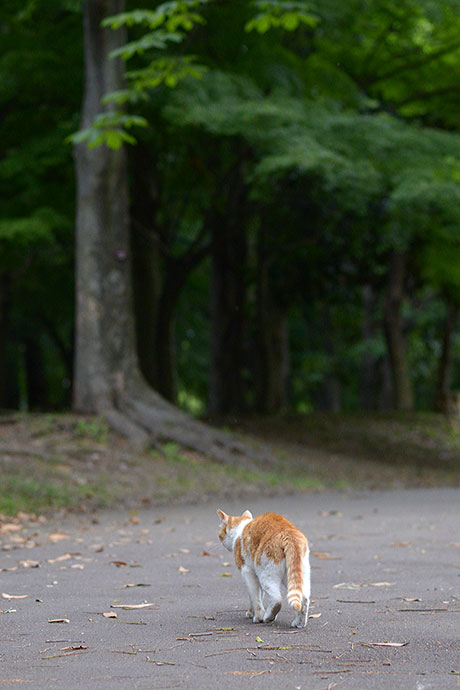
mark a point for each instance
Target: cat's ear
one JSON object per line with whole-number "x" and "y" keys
{"x": 247, "y": 514}
{"x": 223, "y": 516}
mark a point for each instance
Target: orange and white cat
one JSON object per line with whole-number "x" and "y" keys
{"x": 273, "y": 556}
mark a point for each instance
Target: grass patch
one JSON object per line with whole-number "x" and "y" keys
{"x": 32, "y": 495}
{"x": 50, "y": 462}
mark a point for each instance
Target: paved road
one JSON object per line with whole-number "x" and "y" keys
{"x": 386, "y": 570}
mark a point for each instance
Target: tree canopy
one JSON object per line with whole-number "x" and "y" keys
{"x": 294, "y": 199}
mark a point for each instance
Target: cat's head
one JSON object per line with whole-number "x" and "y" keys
{"x": 228, "y": 525}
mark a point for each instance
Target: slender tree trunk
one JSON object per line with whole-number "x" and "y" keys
{"x": 385, "y": 398}
{"x": 442, "y": 396}
{"x": 35, "y": 376}
{"x": 146, "y": 259}
{"x": 107, "y": 376}
{"x": 394, "y": 332}
{"x": 272, "y": 366}
{"x": 147, "y": 287}
{"x": 174, "y": 279}
{"x": 368, "y": 386}
{"x": 4, "y": 302}
{"x": 329, "y": 395}
{"x": 227, "y": 307}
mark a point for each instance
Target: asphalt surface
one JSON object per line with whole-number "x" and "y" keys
{"x": 385, "y": 599}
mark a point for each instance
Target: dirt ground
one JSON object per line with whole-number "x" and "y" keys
{"x": 65, "y": 461}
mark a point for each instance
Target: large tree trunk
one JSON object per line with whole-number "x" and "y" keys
{"x": 443, "y": 402}
{"x": 104, "y": 328}
{"x": 394, "y": 332}
{"x": 107, "y": 377}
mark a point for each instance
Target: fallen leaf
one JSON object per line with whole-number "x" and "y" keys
{"x": 29, "y": 563}
{"x": 184, "y": 550}
{"x": 315, "y": 615}
{"x": 140, "y": 584}
{"x": 10, "y": 527}
{"x": 400, "y": 543}
{"x": 347, "y": 585}
{"x": 58, "y": 620}
{"x": 14, "y": 596}
{"x": 382, "y": 584}
{"x": 134, "y": 520}
{"x": 78, "y": 566}
{"x": 57, "y": 536}
{"x": 411, "y": 599}
{"x": 119, "y": 564}
{"x": 110, "y": 614}
{"x": 181, "y": 569}
{"x": 326, "y": 556}
{"x": 74, "y": 647}
{"x": 59, "y": 559}
{"x": 384, "y": 644}
{"x": 259, "y": 639}
{"x": 132, "y": 606}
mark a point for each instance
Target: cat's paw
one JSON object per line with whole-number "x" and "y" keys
{"x": 271, "y": 615}
{"x": 299, "y": 623}
{"x": 249, "y": 613}
{"x": 258, "y": 616}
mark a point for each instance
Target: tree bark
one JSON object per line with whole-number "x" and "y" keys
{"x": 272, "y": 365}
{"x": 146, "y": 260}
{"x": 107, "y": 376}
{"x": 35, "y": 376}
{"x": 443, "y": 402}
{"x": 4, "y": 304}
{"x": 368, "y": 385}
{"x": 394, "y": 334}
{"x": 227, "y": 308}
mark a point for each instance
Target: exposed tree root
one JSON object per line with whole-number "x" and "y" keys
{"x": 148, "y": 420}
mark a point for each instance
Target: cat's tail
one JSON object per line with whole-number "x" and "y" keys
{"x": 294, "y": 552}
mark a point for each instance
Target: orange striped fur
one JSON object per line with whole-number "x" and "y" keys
{"x": 270, "y": 552}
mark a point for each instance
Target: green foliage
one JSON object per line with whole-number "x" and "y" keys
{"x": 156, "y": 39}
{"x": 168, "y": 24}
{"x": 341, "y": 119}
{"x": 174, "y": 15}
{"x": 109, "y": 129}
{"x": 280, "y": 14}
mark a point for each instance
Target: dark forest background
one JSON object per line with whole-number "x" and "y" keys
{"x": 294, "y": 201}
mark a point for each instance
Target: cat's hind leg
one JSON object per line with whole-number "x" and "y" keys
{"x": 255, "y": 594}
{"x": 271, "y": 580}
{"x": 274, "y": 603}
{"x": 301, "y": 619}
